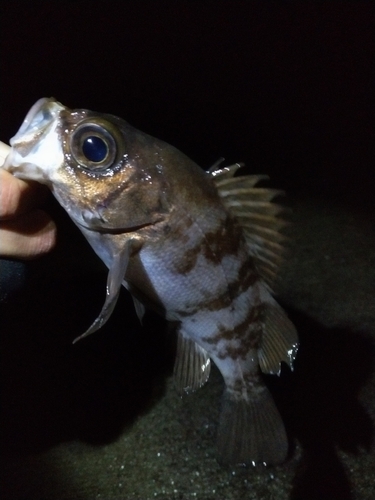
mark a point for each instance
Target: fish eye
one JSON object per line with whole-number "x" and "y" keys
{"x": 94, "y": 145}
{"x": 95, "y": 148}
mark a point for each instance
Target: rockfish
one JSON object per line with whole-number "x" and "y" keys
{"x": 201, "y": 248}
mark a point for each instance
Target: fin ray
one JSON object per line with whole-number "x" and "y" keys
{"x": 227, "y": 187}
{"x": 253, "y": 208}
{"x": 140, "y": 308}
{"x": 114, "y": 281}
{"x": 192, "y": 365}
{"x": 243, "y": 182}
{"x": 279, "y": 340}
{"x": 251, "y": 430}
{"x": 262, "y": 223}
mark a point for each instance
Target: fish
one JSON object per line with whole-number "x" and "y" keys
{"x": 201, "y": 248}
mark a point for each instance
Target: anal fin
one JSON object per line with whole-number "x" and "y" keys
{"x": 251, "y": 431}
{"x": 192, "y": 365}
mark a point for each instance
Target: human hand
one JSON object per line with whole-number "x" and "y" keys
{"x": 26, "y": 231}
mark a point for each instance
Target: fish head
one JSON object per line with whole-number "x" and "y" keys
{"x": 105, "y": 173}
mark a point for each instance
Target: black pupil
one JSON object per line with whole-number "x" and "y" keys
{"x": 94, "y": 148}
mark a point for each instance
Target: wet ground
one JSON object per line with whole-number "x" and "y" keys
{"x": 101, "y": 420}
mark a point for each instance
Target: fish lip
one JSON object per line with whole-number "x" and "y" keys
{"x": 117, "y": 230}
{"x": 38, "y": 120}
{"x": 33, "y": 111}
{"x": 34, "y": 155}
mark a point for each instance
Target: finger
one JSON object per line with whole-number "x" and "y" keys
{"x": 29, "y": 236}
{"x": 18, "y": 196}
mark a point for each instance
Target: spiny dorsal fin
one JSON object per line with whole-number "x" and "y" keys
{"x": 225, "y": 172}
{"x": 253, "y": 208}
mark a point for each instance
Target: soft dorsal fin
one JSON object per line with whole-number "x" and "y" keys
{"x": 279, "y": 340}
{"x": 253, "y": 208}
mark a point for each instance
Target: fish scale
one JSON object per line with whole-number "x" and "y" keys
{"x": 200, "y": 248}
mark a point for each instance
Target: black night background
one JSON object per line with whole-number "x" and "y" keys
{"x": 285, "y": 87}
{"x": 288, "y": 89}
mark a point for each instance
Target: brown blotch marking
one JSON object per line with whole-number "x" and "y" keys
{"x": 248, "y": 332}
{"x": 247, "y": 277}
{"x": 188, "y": 260}
{"x": 178, "y": 235}
{"x": 248, "y": 342}
{"x": 214, "y": 246}
{"x": 238, "y": 332}
{"x": 191, "y": 311}
{"x": 225, "y": 240}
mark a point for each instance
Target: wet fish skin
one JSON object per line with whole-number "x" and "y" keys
{"x": 197, "y": 247}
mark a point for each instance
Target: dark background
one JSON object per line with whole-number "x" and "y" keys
{"x": 286, "y": 87}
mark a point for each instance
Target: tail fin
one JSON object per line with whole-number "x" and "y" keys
{"x": 251, "y": 431}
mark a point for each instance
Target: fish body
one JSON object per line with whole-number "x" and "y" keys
{"x": 198, "y": 247}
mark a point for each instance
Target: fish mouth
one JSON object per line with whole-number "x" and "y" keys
{"x": 98, "y": 224}
{"x": 36, "y": 147}
{"x": 40, "y": 116}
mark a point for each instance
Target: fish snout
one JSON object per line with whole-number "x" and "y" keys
{"x": 36, "y": 148}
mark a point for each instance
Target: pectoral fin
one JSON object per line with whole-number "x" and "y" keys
{"x": 114, "y": 281}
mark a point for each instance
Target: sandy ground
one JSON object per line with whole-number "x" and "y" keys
{"x": 101, "y": 419}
